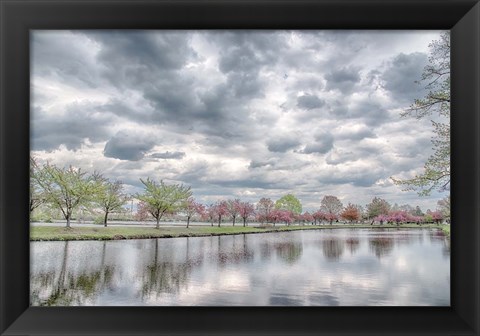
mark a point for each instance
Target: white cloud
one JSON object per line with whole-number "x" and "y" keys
{"x": 235, "y": 114}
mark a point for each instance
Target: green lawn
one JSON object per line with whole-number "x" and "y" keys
{"x": 446, "y": 229}
{"x": 40, "y": 233}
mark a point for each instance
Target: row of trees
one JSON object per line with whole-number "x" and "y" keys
{"x": 332, "y": 209}
{"x": 67, "y": 189}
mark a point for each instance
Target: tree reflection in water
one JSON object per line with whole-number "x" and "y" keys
{"x": 438, "y": 236}
{"x": 165, "y": 275}
{"x": 381, "y": 246}
{"x": 353, "y": 244}
{"x": 266, "y": 250}
{"x": 243, "y": 269}
{"x": 237, "y": 253}
{"x": 446, "y": 247}
{"x": 69, "y": 288}
{"x": 289, "y": 252}
{"x": 333, "y": 249}
{"x": 407, "y": 238}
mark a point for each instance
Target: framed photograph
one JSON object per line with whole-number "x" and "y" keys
{"x": 340, "y": 132}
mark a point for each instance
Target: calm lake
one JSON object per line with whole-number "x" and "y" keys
{"x": 341, "y": 267}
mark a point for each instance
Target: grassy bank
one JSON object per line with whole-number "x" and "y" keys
{"x": 51, "y": 233}
{"x": 445, "y": 229}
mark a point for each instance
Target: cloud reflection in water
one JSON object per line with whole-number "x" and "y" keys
{"x": 322, "y": 268}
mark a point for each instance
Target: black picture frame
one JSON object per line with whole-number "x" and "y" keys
{"x": 17, "y": 17}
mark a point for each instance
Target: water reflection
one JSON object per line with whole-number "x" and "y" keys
{"x": 65, "y": 287}
{"x": 163, "y": 275}
{"x": 439, "y": 237}
{"x": 353, "y": 244}
{"x": 266, "y": 250}
{"x": 233, "y": 250}
{"x": 289, "y": 252}
{"x": 333, "y": 249}
{"x": 406, "y": 238}
{"x": 381, "y": 246}
{"x": 446, "y": 247}
{"x": 381, "y": 267}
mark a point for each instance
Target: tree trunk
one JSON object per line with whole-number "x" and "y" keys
{"x": 188, "y": 221}
{"x": 233, "y": 220}
{"x": 158, "y": 222}
{"x": 68, "y": 220}
{"x": 105, "y": 219}
{"x": 219, "y": 220}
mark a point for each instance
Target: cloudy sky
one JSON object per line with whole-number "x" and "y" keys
{"x": 245, "y": 114}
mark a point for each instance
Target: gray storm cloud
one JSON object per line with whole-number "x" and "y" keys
{"x": 129, "y": 146}
{"x": 234, "y": 113}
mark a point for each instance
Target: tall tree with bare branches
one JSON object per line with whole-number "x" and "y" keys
{"x": 435, "y": 105}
